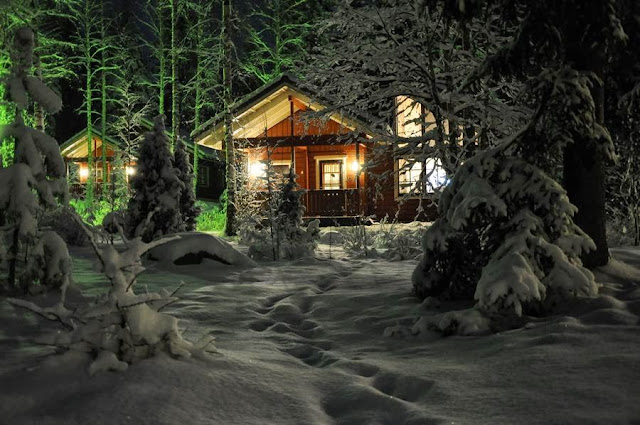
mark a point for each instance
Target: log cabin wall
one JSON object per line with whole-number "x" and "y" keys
{"x": 381, "y": 191}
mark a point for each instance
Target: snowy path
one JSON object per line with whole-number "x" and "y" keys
{"x": 302, "y": 343}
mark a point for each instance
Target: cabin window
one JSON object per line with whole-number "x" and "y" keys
{"x": 409, "y": 117}
{"x": 420, "y": 177}
{"x": 203, "y": 176}
{"x": 331, "y": 174}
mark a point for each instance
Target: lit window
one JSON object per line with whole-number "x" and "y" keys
{"x": 409, "y": 117}
{"x": 412, "y": 180}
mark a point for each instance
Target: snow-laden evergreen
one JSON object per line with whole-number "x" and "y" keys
{"x": 271, "y": 223}
{"x": 506, "y": 237}
{"x": 36, "y": 181}
{"x": 154, "y": 209}
{"x": 296, "y": 239}
{"x": 188, "y": 209}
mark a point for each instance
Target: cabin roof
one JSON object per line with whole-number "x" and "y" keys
{"x": 267, "y": 106}
{"x": 76, "y": 146}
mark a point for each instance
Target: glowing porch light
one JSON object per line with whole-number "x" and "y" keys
{"x": 355, "y": 166}
{"x": 84, "y": 172}
{"x": 257, "y": 169}
{"x": 130, "y": 170}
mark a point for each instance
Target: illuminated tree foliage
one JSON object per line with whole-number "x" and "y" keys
{"x": 204, "y": 88}
{"x": 277, "y": 38}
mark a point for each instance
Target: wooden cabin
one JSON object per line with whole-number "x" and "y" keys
{"x": 75, "y": 152}
{"x": 345, "y": 170}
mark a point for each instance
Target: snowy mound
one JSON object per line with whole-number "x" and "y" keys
{"x": 192, "y": 247}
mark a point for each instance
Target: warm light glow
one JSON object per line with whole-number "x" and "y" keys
{"x": 257, "y": 169}
{"x": 84, "y": 173}
{"x": 130, "y": 171}
{"x": 355, "y": 166}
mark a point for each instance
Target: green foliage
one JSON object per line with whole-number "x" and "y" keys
{"x": 91, "y": 212}
{"x": 212, "y": 217}
{"x": 280, "y": 39}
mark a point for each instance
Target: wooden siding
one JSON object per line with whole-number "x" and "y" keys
{"x": 305, "y": 128}
{"x": 381, "y": 192}
{"x": 306, "y": 160}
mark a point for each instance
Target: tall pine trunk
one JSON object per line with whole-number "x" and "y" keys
{"x": 89, "y": 110}
{"x": 103, "y": 101}
{"x": 584, "y": 170}
{"x": 174, "y": 81}
{"x": 230, "y": 227}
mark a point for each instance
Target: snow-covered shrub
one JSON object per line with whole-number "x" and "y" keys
{"x": 49, "y": 263}
{"x": 157, "y": 188}
{"x": 120, "y": 327}
{"x": 188, "y": 208}
{"x": 506, "y": 237}
{"x": 357, "y": 239}
{"x": 113, "y": 223}
{"x": 61, "y": 221}
{"x": 274, "y": 229}
{"x": 399, "y": 244}
{"x": 36, "y": 180}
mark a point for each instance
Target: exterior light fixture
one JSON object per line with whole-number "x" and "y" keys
{"x": 84, "y": 173}
{"x": 355, "y": 166}
{"x": 130, "y": 170}
{"x": 256, "y": 169}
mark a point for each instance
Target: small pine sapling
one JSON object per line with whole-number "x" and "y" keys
{"x": 295, "y": 239}
{"x": 188, "y": 208}
{"x": 157, "y": 188}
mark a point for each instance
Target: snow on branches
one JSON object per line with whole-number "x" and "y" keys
{"x": 157, "y": 188}
{"x": 36, "y": 181}
{"x": 505, "y": 237}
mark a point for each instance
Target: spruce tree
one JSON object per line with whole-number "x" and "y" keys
{"x": 154, "y": 209}
{"x": 290, "y": 207}
{"x": 188, "y": 209}
{"x": 34, "y": 182}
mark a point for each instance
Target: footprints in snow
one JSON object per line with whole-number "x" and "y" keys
{"x": 383, "y": 397}
{"x": 375, "y": 397}
{"x": 287, "y": 317}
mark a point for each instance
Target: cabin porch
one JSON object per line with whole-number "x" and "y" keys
{"x": 332, "y": 174}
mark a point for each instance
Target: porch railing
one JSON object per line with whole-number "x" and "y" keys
{"x": 333, "y": 203}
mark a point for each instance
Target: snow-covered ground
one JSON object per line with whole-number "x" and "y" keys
{"x": 302, "y": 343}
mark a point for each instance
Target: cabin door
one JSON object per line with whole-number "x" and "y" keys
{"x": 331, "y": 174}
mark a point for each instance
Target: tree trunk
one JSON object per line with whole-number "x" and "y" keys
{"x": 584, "y": 182}
{"x": 230, "y": 227}
{"x": 89, "y": 195}
{"x": 174, "y": 81}
{"x": 584, "y": 170}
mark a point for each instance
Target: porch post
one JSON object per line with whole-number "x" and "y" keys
{"x": 358, "y": 197}
{"x": 293, "y": 148}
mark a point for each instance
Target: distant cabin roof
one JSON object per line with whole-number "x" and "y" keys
{"x": 266, "y": 107}
{"x": 76, "y": 145}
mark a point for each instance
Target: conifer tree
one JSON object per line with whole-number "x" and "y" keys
{"x": 154, "y": 209}
{"x": 34, "y": 182}
{"x": 188, "y": 209}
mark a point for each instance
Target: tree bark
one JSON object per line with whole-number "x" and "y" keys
{"x": 584, "y": 168}
{"x": 230, "y": 227}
